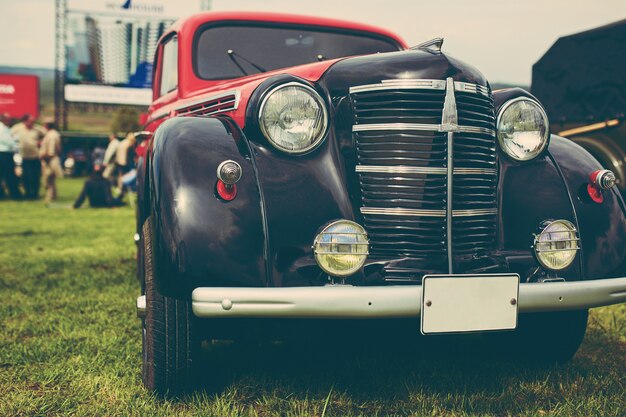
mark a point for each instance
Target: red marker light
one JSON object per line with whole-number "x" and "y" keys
{"x": 595, "y": 193}
{"x": 600, "y": 180}
{"x": 226, "y": 192}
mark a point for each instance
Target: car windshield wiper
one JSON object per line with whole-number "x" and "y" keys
{"x": 233, "y": 56}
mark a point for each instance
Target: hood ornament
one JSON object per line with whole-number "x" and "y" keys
{"x": 433, "y": 45}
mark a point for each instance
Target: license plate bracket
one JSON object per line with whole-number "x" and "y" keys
{"x": 469, "y": 303}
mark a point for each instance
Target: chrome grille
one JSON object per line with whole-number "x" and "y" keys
{"x": 403, "y": 166}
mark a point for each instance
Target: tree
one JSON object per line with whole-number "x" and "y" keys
{"x": 125, "y": 119}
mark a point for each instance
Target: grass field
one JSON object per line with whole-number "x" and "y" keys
{"x": 70, "y": 345}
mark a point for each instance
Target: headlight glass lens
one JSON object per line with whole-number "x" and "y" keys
{"x": 293, "y": 118}
{"x": 522, "y": 129}
{"x": 341, "y": 248}
{"x": 556, "y": 245}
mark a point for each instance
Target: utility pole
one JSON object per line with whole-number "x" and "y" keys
{"x": 60, "y": 108}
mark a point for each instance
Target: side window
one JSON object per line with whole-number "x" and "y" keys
{"x": 169, "y": 66}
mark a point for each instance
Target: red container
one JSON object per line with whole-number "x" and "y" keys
{"x": 19, "y": 95}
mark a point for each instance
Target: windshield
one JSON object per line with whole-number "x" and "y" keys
{"x": 223, "y": 52}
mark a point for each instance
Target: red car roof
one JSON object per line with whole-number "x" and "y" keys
{"x": 193, "y": 22}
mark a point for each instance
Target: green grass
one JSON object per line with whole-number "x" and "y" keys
{"x": 69, "y": 345}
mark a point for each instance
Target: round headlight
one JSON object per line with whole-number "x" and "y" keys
{"x": 341, "y": 248}
{"x": 522, "y": 129}
{"x": 293, "y": 118}
{"x": 556, "y": 245}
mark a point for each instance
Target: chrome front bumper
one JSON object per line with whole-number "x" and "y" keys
{"x": 346, "y": 302}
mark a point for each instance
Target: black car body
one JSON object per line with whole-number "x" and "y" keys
{"x": 408, "y": 171}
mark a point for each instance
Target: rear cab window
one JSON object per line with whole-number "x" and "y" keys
{"x": 169, "y": 66}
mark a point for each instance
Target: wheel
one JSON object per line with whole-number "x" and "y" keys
{"x": 547, "y": 337}
{"x": 169, "y": 346}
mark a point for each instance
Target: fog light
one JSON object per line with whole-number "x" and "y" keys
{"x": 556, "y": 245}
{"x": 341, "y": 248}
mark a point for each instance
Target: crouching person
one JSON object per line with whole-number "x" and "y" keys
{"x": 97, "y": 190}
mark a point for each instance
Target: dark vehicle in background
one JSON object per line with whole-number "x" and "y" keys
{"x": 581, "y": 81}
{"x": 320, "y": 171}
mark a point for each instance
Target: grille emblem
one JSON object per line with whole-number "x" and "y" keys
{"x": 449, "y": 116}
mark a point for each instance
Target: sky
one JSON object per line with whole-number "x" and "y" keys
{"x": 502, "y": 38}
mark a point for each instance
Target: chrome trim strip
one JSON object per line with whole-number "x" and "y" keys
{"x": 473, "y": 129}
{"x": 396, "y": 126}
{"x": 474, "y": 212}
{"x": 475, "y": 171}
{"x": 422, "y": 127}
{"x": 399, "y": 169}
{"x": 344, "y": 301}
{"x": 449, "y": 122}
{"x": 449, "y": 200}
{"x": 203, "y": 100}
{"x": 143, "y": 133}
{"x": 410, "y": 84}
{"x": 420, "y": 84}
{"x": 402, "y": 169}
{"x": 471, "y": 88}
{"x": 397, "y": 211}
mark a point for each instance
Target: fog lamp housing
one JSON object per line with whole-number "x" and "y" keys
{"x": 556, "y": 245}
{"x": 341, "y": 248}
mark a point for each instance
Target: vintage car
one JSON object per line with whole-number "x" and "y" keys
{"x": 312, "y": 170}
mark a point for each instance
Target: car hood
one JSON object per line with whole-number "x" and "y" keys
{"x": 407, "y": 64}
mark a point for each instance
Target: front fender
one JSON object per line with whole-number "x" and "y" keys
{"x": 200, "y": 240}
{"x": 602, "y": 227}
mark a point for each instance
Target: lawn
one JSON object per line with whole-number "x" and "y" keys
{"x": 70, "y": 345}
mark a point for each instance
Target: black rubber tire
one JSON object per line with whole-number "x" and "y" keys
{"x": 169, "y": 345}
{"x": 547, "y": 337}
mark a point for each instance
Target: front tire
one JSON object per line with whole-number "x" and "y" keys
{"x": 169, "y": 345}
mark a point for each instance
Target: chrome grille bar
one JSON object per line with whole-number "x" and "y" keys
{"x": 399, "y": 211}
{"x": 474, "y": 212}
{"x": 396, "y": 126}
{"x": 403, "y": 169}
{"x": 421, "y": 127}
{"x": 450, "y": 122}
{"x": 420, "y": 84}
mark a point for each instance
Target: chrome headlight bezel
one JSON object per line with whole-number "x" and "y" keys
{"x": 316, "y": 97}
{"x": 361, "y": 242}
{"x": 571, "y": 244}
{"x": 544, "y": 140}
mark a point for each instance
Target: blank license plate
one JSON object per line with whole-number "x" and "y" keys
{"x": 469, "y": 303}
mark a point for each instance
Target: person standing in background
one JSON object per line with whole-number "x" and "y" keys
{"x": 50, "y": 155}
{"x": 28, "y": 137}
{"x": 109, "y": 157}
{"x": 124, "y": 160}
{"x": 8, "y": 148}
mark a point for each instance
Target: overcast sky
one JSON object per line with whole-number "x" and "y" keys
{"x": 502, "y": 38}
